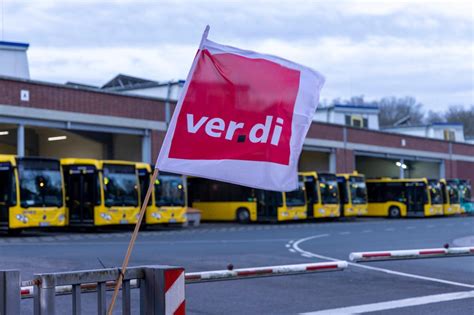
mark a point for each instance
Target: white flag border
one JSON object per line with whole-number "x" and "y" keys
{"x": 248, "y": 173}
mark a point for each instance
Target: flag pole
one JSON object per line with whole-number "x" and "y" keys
{"x": 118, "y": 283}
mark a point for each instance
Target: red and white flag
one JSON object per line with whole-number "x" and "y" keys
{"x": 241, "y": 118}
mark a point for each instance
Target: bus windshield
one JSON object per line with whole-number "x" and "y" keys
{"x": 144, "y": 179}
{"x": 453, "y": 192}
{"x": 328, "y": 187}
{"x": 169, "y": 191}
{"x": 465, "y": 189}
{"x": 120, "y": 185}
{"x": 296, "y": 197}
{"x": 40, "y": 183}
{"x": 435, "y": 192}
{"x": 358, "y": 190}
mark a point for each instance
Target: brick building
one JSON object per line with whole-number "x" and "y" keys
{"x": 127, "y": 119}
{"x": 96, "y": 123}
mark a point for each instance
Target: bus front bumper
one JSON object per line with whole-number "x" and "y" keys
{"x": 21, "y": 218}
{"x": 326, "y": 211}
{"x": 166, "y": 215}
{"x": 116, "y": 216}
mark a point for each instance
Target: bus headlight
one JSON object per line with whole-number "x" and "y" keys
{"x": 22, "y": 218}
{"x": 431, "y": 210}
{"x": 284, "y": 213}
{"x": 321, "y": 211}
{"x": 61, "y": 217}
{"x": 106, "y": 216}
{"x": 449, "y": 209}
{"x": 156, "y": 215}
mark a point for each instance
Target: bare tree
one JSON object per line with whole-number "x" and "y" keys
{"x": 434, "y": 117}
{"x": 393, "y": 109}
{"x": 465, "y": 116}
{"x": 354, "y": 100}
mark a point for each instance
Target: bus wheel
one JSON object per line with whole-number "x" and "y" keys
{"x": 394, "y": 212}
{"x": 243, "y": 215}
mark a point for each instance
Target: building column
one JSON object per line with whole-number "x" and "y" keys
{"x": 168, "y": 106}
{"x": 332, "y": 161}
{"x": 402, "y": 170}
{"x": 20, "y": 140}
{"x": 146, "y": 147}
{"x": 442, "y": 169}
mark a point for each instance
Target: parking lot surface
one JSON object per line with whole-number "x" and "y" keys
{"x": 424, "y": 286}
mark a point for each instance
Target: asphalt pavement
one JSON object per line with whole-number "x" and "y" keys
{"x": 422, "y": 286}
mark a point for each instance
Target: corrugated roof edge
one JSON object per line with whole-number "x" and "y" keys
{"x": 73, "y": 87}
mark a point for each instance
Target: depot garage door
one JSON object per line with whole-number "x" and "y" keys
{"x": 411, "y": 167}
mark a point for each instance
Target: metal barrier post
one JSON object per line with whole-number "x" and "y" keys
{"x": 142, "y": 295}
{"x": 46, "y": 295}
{"x": 164, "y": 292}
{"x": 9, "y": 292}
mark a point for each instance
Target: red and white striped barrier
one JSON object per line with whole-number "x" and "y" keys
{"x": 412, "y": 254}
{"x": 196, "y": 277}
{"x": 175, "y": 280}
{"x": 175, "y": 302}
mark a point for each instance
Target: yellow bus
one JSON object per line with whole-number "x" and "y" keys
{"x": 101, "y": 192}
{"x": 167, "y": 204}
{"x": 451, "y": 197}
{"x": 465, "y": 188}
{"x": 404, "y": 197}
{"x": 219, "y": 201}
{"x": 322, "y": 195}
{"x": 353, "y": 194}
{"x": 31, "y": 193}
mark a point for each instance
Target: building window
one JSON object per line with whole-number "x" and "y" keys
{"x": 449, "y": 135}
{"x": 356, "y": 121}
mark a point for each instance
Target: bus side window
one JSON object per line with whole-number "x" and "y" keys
{"x": 240, "y": 193}
{"x": 193, "y": 190}
{"x": 219, "y": 191}
{"x": 201, "y": 188}
{"x": 394, "y": 192}
{"x": 374, "y": 191}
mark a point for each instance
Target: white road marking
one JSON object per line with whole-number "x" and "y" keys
{"x": 390, "y": 305}
{"x": 388, "y": 271}
{"x": 344, "y": 233}
{"x": 292, "y": 250}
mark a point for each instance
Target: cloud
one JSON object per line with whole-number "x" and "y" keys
{"x": 376, "y": 48}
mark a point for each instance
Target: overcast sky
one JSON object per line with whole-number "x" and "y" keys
{"x": 378, "y": 48}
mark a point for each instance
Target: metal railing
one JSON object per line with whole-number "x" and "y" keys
{"x": 153, "y": 283}
{"x": 45, "y": 287}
